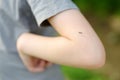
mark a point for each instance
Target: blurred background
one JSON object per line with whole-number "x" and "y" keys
{"x": 104, "y": 16}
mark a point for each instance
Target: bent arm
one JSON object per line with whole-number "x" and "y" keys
{"x": 77, "y": 46}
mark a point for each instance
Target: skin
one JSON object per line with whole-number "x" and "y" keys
{"x": 34, "y": 64}
{"x": 78, "y": 45}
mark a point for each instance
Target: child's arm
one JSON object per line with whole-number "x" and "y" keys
{"x": 78, "y": 45}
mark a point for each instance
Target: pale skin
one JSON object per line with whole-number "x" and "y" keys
{"x": 78, "y": 45}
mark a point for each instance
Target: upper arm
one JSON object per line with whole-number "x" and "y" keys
{"x": 72, "y": 25}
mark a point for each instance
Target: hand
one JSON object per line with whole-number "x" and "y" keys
{"x": 34, "y": 64}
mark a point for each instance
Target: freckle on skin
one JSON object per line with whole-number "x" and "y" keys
{"x": 80, "y": 32}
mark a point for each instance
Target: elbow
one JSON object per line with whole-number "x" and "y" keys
{"x": 87, "y": 61}
{"x": 93, "y": 55}
{"x": 94, "y": 60}
{"x": 95, "y": 63}
{"x": 90, "y": 62}
{"x": 99, "y": 60}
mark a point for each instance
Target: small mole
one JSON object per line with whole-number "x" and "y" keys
{"x": 80, "y": 32}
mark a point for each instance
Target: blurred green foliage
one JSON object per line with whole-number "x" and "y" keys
{"x": 82, "y": 74}
{"x": 100, "y": 8}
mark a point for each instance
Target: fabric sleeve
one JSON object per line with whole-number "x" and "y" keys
{"x": 44, "y": 9}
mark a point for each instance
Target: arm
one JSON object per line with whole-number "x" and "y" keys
{"x": 77, "y": 46}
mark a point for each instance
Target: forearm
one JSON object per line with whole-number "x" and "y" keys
{"x": 55, "y": 49}
{"x": 59, "y": 50}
